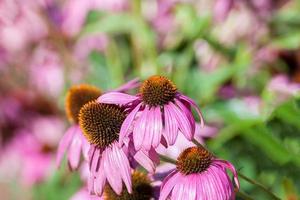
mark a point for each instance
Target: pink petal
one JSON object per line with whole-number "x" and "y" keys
{"x": 142, "y": 158}
{"x": 171, "y": 127}
{"x": 100, "y": 180}
{"x": 112, "y": 172}
{"x": 229, "y": 166}
{"x": 188, "y": 113}
{"x": 75, "y": 152}
{"x": 129, "y": 85}
{"x": 182, "y": 120}
{"x": 168, "y": 184}
{"x": 140, "y": 129}
{"x": 157, "y": 127}
{"x": 147, "y": 141}
{"x": 64, "y": 144}
{"x": 122, "y": 163}
{"x": 192, "y": 102}
{"x": 116, "y": 98}
{"x": 127, "y": 123}
{"x": 95, "y": 161}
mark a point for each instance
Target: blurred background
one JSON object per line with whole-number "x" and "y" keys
{"x": 239, "y": 59}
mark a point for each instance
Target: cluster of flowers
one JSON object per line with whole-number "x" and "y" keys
{"x": 116, "y": 132}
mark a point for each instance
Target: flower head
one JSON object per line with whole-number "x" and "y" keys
{"x": 158, "y": 112}
{"x": 199, "y": 175}
{"x": 73, "y": 141}
{"x": 141, "y": 189}
{"x": 101, "y": 124}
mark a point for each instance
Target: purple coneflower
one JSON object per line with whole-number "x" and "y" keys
{"x": 101, "y": 124}
{"x": 163, "y": 111}
{"x": 199, "y": 175}
{"x": 73, "y": 140}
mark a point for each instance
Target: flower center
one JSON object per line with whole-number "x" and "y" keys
{"x": 141, "y": 189}
{"x": 77, "y": 96}
{"x": 157, "y": 90}
{"x": 101, "y": 123}
{"x": 194, "y": 160}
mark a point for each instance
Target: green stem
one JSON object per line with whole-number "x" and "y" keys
{"x": 167, "y": 159}
{"x": 261, "y": 186}
{"x": 244, "y": 196}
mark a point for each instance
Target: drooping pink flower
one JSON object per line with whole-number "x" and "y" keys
{"x": 73, "y": 142}
{"x": 109, "y": 163}
{"x": 159, "y": 111}
{"x": 199, "y": 175}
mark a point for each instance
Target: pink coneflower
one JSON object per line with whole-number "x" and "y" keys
{"x": 199, "y": 175}
{"x": 101, "y": 124}
{"x": 73, "y": 141}
{"x": 163, "y": 111}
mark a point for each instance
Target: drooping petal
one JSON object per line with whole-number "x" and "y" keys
{"x": 140, "y": 129}
{"x": 64, "y": 144}
{"x": 147, "y": 141}
{"x": 116, "y": 98}
{"x": 75, "y": 151}
{"x": 122, "y": 163}
{"x": 127, "y": 123}
{"x": 128, "y": 86}
{"x": 193, "y": 103}
{"x": 95, "y": 161}
{"x": 171, "y": 126}
{"x": 168, "y": 184}
{"x": 182, "y": 120}
{"x": 143, "y": 159}
{"x": 229, "y": 166}
{"x": 100, "y": 180}
{"x": 156, "y": 127}
{"x": 187, "y": 112}
{"x": 111, "y": 171}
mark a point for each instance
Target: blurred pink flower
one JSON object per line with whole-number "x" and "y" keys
{"x": 85, "y": 45}
{"x": 221, "y": 9}
{"x": 28, "y": 157}
{"x": 46, "y": 71}
{"x": 75, "y": 12}
{"x": 283, "y": 88}
{"x": 20, "y": 24}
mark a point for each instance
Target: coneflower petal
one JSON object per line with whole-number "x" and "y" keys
{"x": 94, "y": 163}
{"x": 75, "y": 153}
{"x": 182, "y": 120}
{"x": 229, "y": 166}
{"x": 143, "y": 159}
{"x": 194, "y": 105}
{"x": 65, "y": 143}
{"x": 127, "y": 123}
{"x": 168, "y": 184}
{"x": 122, "y": 163}
{"x": 150, "y": 120}
{"x": 100, "y": 180}
{"x": 116, "y": 98}
{"x": 112, "y": 172}
{"x": 140, "y": 130}
{"x": 171, "y": 126}
{"x": 188, "y": 114}
{"x": 157, "y": 127}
